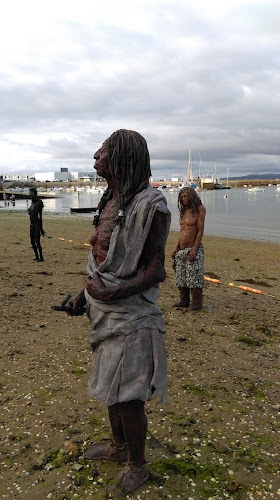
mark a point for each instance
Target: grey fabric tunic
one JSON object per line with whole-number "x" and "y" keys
{"x": 127, "y": 335}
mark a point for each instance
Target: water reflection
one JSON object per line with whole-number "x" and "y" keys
{"x": 240, "y": 214}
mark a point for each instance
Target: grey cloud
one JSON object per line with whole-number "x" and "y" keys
{"x": 217, "y": 94}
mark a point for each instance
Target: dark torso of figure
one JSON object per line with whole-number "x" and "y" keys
{"x": 188, "y": 229}
{"x": 35, "y": 211}
{"x": 100, "y": 240}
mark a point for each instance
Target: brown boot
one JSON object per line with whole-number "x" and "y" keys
{"x": 196, "y": 299}
{"x": 128, "y": 480}
{"x": 184, "y": 298}
{"x": 116, "y": 449}
{"x": 108, "y": 451}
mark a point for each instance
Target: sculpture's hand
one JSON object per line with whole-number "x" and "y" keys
{"x": 97, "y": 289}
{"x": 192, "y": 255}
{"x": 77, "y": 304}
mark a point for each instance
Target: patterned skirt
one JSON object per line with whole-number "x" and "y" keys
{"x": 189, "y": 274}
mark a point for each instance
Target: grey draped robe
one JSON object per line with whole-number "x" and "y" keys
{"x": 127, "y": 335}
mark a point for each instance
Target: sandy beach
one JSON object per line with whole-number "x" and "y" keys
{"x": 218, "y": 435}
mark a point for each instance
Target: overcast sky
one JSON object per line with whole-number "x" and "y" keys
{"x": 187, "y": 74}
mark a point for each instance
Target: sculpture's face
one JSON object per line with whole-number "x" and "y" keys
{"x": 102, "y": 161}
{"x": 32, "y": 195}
{"x": 185, "y": 198}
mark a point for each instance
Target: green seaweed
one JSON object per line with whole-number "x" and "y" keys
{"x": 247, "y": 455}
{"x": 210, "y": 478}
{"x": 195, "y": 389}
{"x": 254, "y": 390}
{"x": 248, "y": 341}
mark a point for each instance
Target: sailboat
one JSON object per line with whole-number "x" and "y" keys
{"x": 218, "y": 185}
{"x": 227, "y": 184}
{"x": 189, "y": 180}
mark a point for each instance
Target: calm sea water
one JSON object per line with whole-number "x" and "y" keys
{"x": 233, "y": 212}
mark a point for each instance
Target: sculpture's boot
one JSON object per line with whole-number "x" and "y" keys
{"x": 116, "y": 449}
{"x": 197, "y": 297}
{"x": 184, "y": 298}
{"x": 135, "y": 473}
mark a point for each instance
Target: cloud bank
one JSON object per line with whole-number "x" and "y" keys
{"x": 188, "y": 76}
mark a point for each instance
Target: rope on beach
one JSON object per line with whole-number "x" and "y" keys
{"x": 241, "y": 287}
{"x": 212, "y": 280}
{"x": 76, "y": 242}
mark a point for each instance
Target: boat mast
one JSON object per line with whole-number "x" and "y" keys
{"x": 189, "y": 170}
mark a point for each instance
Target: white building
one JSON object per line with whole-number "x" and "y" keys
{"x": 56, "y": 176}
{"x": 62, "y": 176}
{"x": 18, "y": 177}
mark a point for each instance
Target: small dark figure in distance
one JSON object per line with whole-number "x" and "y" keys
{"x": 36, "y": 224}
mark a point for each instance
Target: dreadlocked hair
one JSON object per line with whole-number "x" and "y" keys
{"x": 101, "y": 205}
{"x": 129, "y": 162}
{"x": 195, "y": 200}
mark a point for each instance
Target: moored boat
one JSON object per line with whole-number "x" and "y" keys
{"x": 218, "y": 185}
{"x": 255, "y": 189}
{"x": 81, "y": 210}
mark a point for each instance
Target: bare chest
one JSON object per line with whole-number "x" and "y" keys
{"x": 100, "y": 239}
{"x": 189, "y": 220}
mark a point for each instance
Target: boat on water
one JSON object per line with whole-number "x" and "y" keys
{"x": 95, "y": 190}
{"x": 227, "y": 186}
{"x": 24, "y": 193}
{"x": 189, "y": 180}
{"x": 218, "y": 185}
{"x": 83, "y": 210}
{"x": 208, "y": 182}
{"x": 255, "y": 189}
{"x": 278, "y": 187}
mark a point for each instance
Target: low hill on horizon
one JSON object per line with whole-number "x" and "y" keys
{"x": 255, "y": 176}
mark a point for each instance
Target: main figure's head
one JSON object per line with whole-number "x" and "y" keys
{"x": 124, "y": 161}
{"x": 33, "y": 192}
{"x": 128, "y": 161}
{"x": 188, "y": 199}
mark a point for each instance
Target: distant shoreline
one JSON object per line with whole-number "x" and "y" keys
{"x": 66, "y": 184}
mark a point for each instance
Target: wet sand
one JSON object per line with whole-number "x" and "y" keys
{"x": 218, "y": 435}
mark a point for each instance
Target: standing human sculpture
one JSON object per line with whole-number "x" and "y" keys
{"x": 36, "y": 224}
{"x": 188, "y": 255}
{"x": 125, "y": 266}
